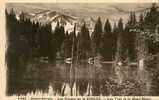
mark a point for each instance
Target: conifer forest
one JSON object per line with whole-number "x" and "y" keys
{"x": 59, "y": 54}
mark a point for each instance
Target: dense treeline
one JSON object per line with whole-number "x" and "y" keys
{"x": 27, "y": 42}
{"x": 29, "y": 39}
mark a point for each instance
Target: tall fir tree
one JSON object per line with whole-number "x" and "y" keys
{"x": 120, "y": 54}
{"x": 84, "y": 42}
{"x": 107, "y": 42}
{"x": 130, "y": 37}
{"x": 151, "y": 18}
{"x": 115, "y": 35}
{"x": 59, "y": 35}
{"x": 96, "y": 36}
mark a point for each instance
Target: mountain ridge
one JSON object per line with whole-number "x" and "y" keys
{"x": 53, "y": 17}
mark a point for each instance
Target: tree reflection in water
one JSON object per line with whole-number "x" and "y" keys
{"x": 86, "y": 80}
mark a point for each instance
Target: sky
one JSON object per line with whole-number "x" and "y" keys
{"x": 111, "y": 11}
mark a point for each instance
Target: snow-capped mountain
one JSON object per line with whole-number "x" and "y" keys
{"x": 66, "y": 20}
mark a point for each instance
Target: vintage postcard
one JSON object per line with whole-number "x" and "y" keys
{"x": 80, "y": 50}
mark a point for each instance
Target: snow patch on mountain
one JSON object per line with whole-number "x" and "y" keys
{"x": 53, "y": 17}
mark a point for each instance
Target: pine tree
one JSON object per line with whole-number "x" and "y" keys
{"x": 107, "y": 42}
{"x": 115, "y": 35}
{"x": 120, "y": 54}
{"x": 107, "y": 27}
{"x": 96, "y": 36}
{"x": 151, "y": 18}
{"x": 59, "y": 35}
{"x": 130, "y": 37}
{"x": 84, "y": 42}
{"x": 141, "y": 42}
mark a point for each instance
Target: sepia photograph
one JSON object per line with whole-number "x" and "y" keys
{"x": 82, "y": 49}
